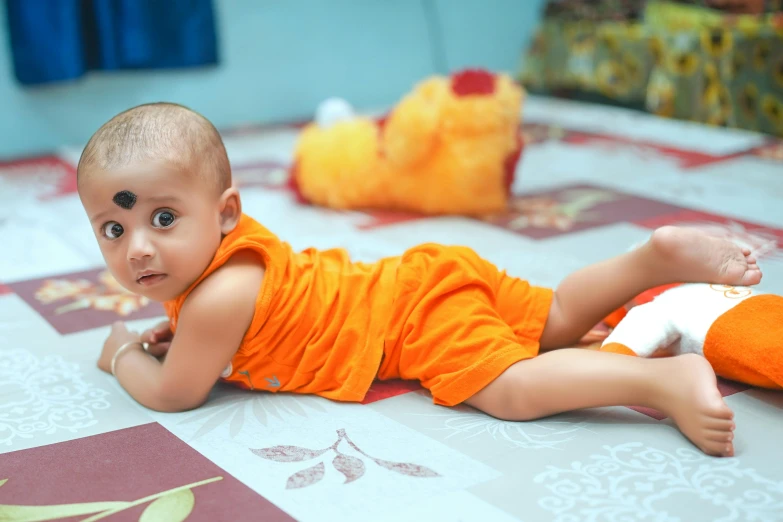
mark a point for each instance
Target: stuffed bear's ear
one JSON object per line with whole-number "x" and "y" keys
{"x": 473, "y": 82}
{"x": 410, "y": 131}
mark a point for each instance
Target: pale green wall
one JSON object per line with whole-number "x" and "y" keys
{"x": 279, "y": 59}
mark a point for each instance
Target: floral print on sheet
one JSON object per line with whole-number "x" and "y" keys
{"x": 634, "y": 481}
{"x": 44, "y": 395}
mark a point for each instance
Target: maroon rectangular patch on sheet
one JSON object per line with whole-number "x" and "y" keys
{"x": 127, "y": 472}
{"x": 573, "y": 208}
{"x": 45, "y": 176}
{"x": 84, "y": 300}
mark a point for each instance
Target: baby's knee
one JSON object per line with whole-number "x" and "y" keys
{"x": 559, "y": 330}
{"x": 514, "y": 401}
{"x": 524, "y": 407}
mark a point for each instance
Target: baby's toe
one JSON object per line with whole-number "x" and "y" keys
{"x": 751, "y": 277}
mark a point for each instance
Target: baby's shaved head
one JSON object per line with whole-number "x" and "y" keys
{"x": 159, "y": 131}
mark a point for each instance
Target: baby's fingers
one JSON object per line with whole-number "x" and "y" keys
{"x": 147, "y": 336}
{"x": 154, "y": 335}
{"x": 162, "y": 331}
{"x": 158, "y": 349}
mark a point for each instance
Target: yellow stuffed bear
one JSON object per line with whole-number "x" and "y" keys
{"x": 449, "y": 147}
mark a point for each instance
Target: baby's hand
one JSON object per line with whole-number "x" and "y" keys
{"x": 119, "y": 336}
{"x": 158, "y": 338}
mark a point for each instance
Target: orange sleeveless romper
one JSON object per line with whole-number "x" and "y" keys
{"x": 327, "y": 326}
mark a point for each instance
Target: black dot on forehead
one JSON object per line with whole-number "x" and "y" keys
{"x": 124, "y": 199}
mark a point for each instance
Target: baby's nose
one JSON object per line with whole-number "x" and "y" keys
{"x": 140, "y": 247}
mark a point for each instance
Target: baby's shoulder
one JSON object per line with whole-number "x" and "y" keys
{"x": 232, "y": 288}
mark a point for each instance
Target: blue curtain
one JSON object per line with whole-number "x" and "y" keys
{"x": 56, "y": 40}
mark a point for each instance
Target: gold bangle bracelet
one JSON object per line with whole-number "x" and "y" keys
{"x": 122, "y": 349}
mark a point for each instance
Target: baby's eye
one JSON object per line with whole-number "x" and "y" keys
{"x": 112, "y": 230}
{"x": 163, "y": 219}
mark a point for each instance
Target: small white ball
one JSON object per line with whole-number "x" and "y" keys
{"x": 333, "y": 110}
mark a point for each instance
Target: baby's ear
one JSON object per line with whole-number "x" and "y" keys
{"x": 230, "y": 210}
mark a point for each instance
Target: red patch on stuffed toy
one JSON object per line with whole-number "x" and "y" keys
{"x": 381, "y": 122}
{"x": 473, "y": 82}
{"x": 649, "y": 295}
{"x": 613, "y": 319}
{"x": 510, "y": 165}
{"x": 293, "y": 184}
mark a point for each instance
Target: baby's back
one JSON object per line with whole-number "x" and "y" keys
{"x": 325, "y": 321}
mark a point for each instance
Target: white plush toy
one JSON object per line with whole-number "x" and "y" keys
{"x": 738, "y": 330}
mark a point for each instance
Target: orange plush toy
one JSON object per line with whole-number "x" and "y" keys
{"x": 451, "y": 146}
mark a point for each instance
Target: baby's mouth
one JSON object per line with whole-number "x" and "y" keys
{"x": 150, "y": 279}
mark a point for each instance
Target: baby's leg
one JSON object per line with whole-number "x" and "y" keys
{"x": 672, "y": 255}
{"x": 682, "y": 387}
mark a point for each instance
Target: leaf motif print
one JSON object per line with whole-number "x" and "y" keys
{"x": 284, "y": 453}
{"x": 214, "y": 421}
{"x": 259, "y": 412}
{"x": 407, "y": 468}
{"x": 238, "y": 421}
{"x": 306, "y": 477}
{"x": 174, "y": 507}
{"x": 351, "y": 467}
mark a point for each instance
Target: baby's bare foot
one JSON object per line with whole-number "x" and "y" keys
{"x": 694, "y": 403}
{"x": 690, "y": 256}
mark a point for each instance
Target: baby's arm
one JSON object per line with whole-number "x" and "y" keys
{"x": 644, "y": 330}
{"x": 211, "y": 326}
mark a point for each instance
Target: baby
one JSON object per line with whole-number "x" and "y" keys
{"x": 244, "y": 307}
